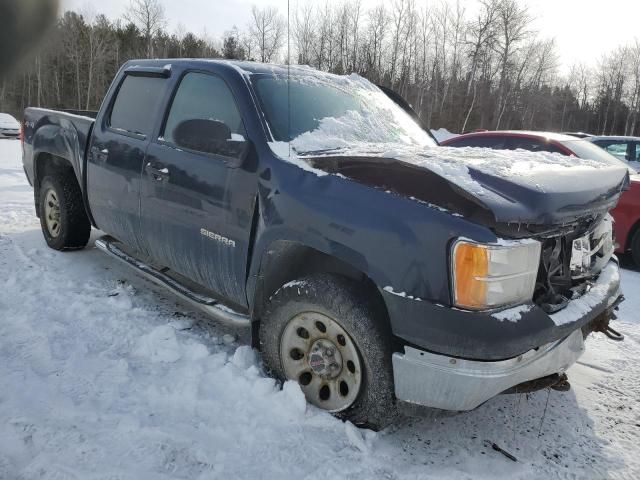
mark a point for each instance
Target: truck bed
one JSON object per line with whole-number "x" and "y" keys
{"x": 63, "y": 133}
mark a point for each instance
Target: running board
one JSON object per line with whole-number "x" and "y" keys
{"x": 208, "y": 305}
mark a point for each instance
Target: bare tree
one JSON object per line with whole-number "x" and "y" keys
{"x": 72, "y": 30}
{"x": 514, "y": 24}
{"x": 375, "y": 41}
{"x": 100, "y": 41}
{"x": 303, "y": 32}
{"x": 481, "y": 34}
{"x": 148, "y": 16}
{"x": 458, "y": 71}
{"x": 612, "y": 77}
{"x": 267, "y": 29}
{"x": 633, "y": 90}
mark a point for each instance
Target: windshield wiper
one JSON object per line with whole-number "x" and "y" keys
{"x": 320, "y": 151}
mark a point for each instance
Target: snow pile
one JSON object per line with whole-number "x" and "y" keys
{"x": 378, "y": 125}
{"x": 16, "y": 196}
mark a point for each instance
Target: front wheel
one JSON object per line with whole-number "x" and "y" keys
{"x": 326, "y": 334}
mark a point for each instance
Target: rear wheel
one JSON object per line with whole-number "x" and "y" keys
{"x": 63, "y": 220}
{"x": 326, "y": 334}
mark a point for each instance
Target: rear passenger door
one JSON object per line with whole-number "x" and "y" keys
{"x": 116, "y": 155}
{"x": 199, "y": 189}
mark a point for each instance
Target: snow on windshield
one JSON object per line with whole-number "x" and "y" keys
{"x": 319, "y": 112}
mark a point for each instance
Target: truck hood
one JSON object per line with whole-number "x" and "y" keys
{"x": 489, "y": 186}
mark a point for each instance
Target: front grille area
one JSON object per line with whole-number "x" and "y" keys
{"x": 568, "y": 262}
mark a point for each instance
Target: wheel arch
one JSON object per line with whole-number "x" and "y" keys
{"x": 44, "y": 164}
{"x": 287, "y": 260}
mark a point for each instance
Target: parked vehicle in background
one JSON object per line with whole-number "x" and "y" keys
{"x": 531, "y": 141}
{"x": 578, "y": 134}
{"x": 622, "y": 147}
{"x": 626, "y": 215}
{"x": 9, "y": 126}
{"x": 371, "y": 264}
{"x": 627, "y": 221}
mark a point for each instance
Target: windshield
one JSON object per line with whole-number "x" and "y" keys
{"x": 590, "y": 151}
{"x": 329, "y": 112}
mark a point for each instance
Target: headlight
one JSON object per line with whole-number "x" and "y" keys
{"x": 486, "y": 276}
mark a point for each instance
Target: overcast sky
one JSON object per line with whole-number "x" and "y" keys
{"x": 583, "y": 29}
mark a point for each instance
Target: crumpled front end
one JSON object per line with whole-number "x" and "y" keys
{"x": 456, "y": 358}
{"x": 452, "y": 383}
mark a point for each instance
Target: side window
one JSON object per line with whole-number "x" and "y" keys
{"x": 618, "y": 149}
{"x": 532, "y": 145}
{"x": 135, "y": 104}
{"x": 637, "y": 156}
{"x": 204, "y": 117}
{"x": 480, "y": 142}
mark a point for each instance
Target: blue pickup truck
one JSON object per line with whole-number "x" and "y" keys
{"x": 373, "y": 266}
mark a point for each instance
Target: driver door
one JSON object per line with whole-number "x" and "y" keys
{"x": 197, "y": 200}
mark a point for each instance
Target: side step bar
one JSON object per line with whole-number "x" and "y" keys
{"x": 208, "y": 305}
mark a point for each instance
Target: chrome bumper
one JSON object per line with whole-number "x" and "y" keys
{"x": 449, "y": 383}
{"x": 454, "y": 384}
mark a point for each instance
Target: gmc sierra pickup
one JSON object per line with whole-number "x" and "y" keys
{"x": 372, "y": 265}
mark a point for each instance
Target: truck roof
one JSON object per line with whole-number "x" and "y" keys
{"x": 621, "y": 138}
{"x": 244, "y": 66}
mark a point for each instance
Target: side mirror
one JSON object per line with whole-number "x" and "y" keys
{"x": 202, "y": 135}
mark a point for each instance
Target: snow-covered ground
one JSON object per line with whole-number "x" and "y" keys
{"x": 103, "y": 376}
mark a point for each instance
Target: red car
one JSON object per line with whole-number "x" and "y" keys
{"x": 626, "y": 215}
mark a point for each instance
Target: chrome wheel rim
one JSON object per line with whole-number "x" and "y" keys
{"x": 318, "y": 353}
{"x": 52, "y": 213}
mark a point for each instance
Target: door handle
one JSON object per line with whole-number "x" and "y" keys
{"x": 159, "y": 174}
{"x": 99, "y": 154}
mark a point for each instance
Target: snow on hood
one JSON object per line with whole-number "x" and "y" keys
{"x": 454, "y": 164}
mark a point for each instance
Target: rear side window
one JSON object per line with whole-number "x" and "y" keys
{"x": 204, "y": 117}
{"x": 532, "y": 145}
{"x": 135, "y": 105}
{"x": 479, "y": 142}
{"x": 621, "y": 150}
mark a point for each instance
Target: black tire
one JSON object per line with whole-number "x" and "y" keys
{"x": 74, "y": 227}
{"x": 347, "y": 303}
{"x": 635, "y": 248}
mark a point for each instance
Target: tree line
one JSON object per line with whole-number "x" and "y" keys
{"x": 461, "y": 70}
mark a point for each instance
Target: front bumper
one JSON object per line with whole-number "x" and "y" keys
{"x": 450, "y": 383}
{"x": 454, "y": 384}
{"x": 496, "y": 335}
